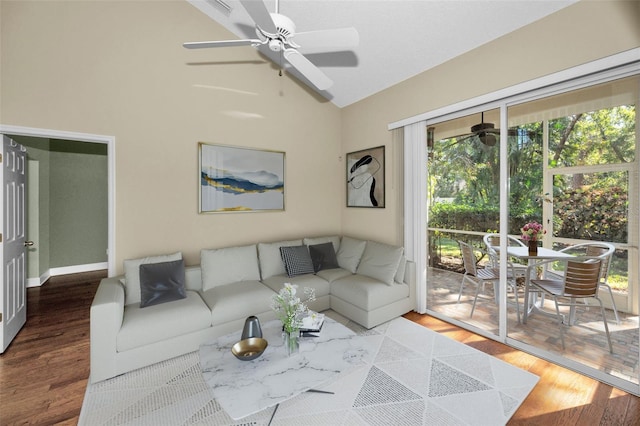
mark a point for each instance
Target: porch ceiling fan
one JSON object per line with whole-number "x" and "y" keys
{"x": 278, "y": 33}
{"x": 486, "y": 133}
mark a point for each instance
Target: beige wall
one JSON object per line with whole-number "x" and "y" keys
{"x": 581, "y": 33}
{"x": 119, "y": 68}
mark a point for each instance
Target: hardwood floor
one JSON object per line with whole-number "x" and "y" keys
{"x": 43, "y": 374}
{"x": 561, "y": 397}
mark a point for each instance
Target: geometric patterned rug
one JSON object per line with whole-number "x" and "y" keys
{"x": 417, "y": 377}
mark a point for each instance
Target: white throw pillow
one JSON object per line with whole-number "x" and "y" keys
{"x": 228, "y": 265}
{"x": 132, "y": 274}
{"x": 402, "y": 266}
{"x": 335, "y": 240}
{"x": 349, "y": 253}
{"x": 380, "y": 261}
{"x": 271, "y": 263}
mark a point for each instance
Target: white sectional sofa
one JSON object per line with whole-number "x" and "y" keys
{"x": 132, "y": 326}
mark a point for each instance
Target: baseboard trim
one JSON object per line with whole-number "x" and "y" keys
{"x": 37, "y": 282}
{"x": 65, "y": 270}
{"x": 78, "y": 268}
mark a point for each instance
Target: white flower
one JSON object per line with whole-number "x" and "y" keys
{"x": 289, "y": 308}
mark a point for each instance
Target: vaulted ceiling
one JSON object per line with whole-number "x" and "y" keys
{"x": 398, "y": 38}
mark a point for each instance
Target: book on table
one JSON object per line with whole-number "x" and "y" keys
{"x": 312, "y": 322}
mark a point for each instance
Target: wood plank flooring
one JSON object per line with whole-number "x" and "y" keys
{"x": 43, "y": 374}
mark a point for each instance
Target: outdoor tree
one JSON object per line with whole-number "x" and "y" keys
{"x": 587, "y": 205}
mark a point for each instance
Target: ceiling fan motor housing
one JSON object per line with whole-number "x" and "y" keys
{"x": 482, "y": 126}
{"x": 286, "y": 29}
{"x": 285, "y": 26}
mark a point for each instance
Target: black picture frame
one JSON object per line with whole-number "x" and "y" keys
{"x": 366, "y": 178}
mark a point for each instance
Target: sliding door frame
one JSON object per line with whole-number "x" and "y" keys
{"x": 607, "y": 69}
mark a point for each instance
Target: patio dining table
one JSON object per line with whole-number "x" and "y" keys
{"x": 532, "y": 260}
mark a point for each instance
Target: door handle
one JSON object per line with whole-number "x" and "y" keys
{"x": 28, "y": 243}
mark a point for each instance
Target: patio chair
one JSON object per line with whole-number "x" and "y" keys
{"x": 492, "y": 241}
{"x": 480, "y": 276}
{"x": 580, "y": 281}
{"x": 603, "y": 251}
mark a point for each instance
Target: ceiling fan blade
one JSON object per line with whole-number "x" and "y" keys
{"x": 459, "y": 137}
{"x": 260, "y": 15}
{"x": 308, "y": 69}
{"x": 466, "y": 138}
{"x": 224, "y": 43}
{"x": 334, "y": 40}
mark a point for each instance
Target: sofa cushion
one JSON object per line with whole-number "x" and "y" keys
{"x": 367, "y": 293}
{"x": 143, "y": 326}
{"x": 320, "y": 285}
{"x": 228, "y": 265}
{"x": 349, "y": 253}
{"x": 237, "y": 301}
{"x": 380, "y": 261}
{"x": 402, "y": 266}
{"x": 323, "y": 256}
{"x": 161, "y": 283}
{"x": 330, "y": 275}
{"x": 270, "y": 260}
{"x": 132, "y": 274}
{"x": 334, "y": 239}
{"x": 297, "y": 260}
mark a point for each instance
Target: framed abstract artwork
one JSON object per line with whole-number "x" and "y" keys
{"x": 236, "y": 179}
{"x": 365, "y": 178}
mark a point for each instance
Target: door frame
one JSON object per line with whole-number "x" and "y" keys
{"x": 110, "y": 141}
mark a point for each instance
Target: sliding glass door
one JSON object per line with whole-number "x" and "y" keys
{"x": 572, "y": 165}
{"x": 590, "y": 199}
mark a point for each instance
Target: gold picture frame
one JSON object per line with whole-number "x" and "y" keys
{"x": 239, "y": 179}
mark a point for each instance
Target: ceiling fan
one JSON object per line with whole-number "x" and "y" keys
{"x": 486, "y": 133}
{"x": 278, "y": 33}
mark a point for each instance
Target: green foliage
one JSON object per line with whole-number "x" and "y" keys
{"x": 605, "y": 136}
{"x": 483, "y": 218}
{"x": 586, "y": 205}
{"x": 589, "y": 203}
{"x": 600, "y": 215}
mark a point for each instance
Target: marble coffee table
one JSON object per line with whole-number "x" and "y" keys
{"x": 243, "y": 388}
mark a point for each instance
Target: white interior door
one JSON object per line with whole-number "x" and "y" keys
{"x": 13, "y": 296}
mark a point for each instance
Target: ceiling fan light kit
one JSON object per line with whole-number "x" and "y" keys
{"x": 278, "y": 33}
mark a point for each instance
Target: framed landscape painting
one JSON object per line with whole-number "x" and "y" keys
{"x": 236, "y": 179}
{"x": 365, "y": 178}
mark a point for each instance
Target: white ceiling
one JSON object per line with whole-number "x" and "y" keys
{"x": 398, "y": 38}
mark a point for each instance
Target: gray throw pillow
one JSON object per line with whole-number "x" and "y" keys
{"x": 132, "y": 274}
{"x": 161, "y": 283}
{"x": 323, "y": 256}
{"x": 296, "y": 260}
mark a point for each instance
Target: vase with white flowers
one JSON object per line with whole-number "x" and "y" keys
{"x": 290, "y": 309}
{"x": 532, "y": 232}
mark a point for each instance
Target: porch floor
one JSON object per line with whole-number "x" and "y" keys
{"x": 585, "y": 341}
